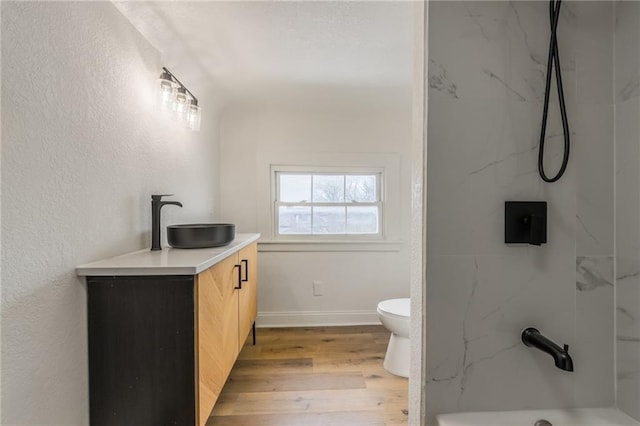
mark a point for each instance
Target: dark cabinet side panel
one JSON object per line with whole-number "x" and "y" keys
{"x": 141, "y": 350}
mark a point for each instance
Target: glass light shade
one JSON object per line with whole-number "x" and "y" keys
{"x": 181, "y": 105}
{"x": 165, "y": 92}
{"x": 193, "y": 116}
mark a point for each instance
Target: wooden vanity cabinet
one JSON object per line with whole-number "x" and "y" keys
{"x": 161, "y": 347}
{"x": 248, "y": 295}
{"x": 141, "y": 352}
{"x": 217, "y": 331}
{"x": 227, "y": 310}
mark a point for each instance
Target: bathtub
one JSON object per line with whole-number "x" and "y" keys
{"x": 568, "y": 417}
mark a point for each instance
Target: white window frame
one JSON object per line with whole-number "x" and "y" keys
{"x": 277, "y": 170}
{"x": 391, "y": 191}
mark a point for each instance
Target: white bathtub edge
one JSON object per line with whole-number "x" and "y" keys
{"x": 561, "y": 417}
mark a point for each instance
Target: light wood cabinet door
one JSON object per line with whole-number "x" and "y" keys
{"x": 248, "y": 304}
{"x": 217, "y": 331}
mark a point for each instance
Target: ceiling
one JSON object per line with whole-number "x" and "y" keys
{"x": 345, "y": 51}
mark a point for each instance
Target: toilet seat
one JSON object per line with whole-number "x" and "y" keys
{"x": 399, "y": 308}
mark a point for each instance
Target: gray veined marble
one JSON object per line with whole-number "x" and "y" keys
{"x": 628, "y": 276}
{"x": 628, "y": 297}
{"x": 476, "y": 18}
{"x": 585, "y": 229}
{"x": 536, "y": 58}
{"x": 593, "y": 350}
{"x": 439, "y": 81}
{"x": 510, "y": 156}
{"x": 627, "y": 201}
{"x": 593, "y": 273}
{"x": 631, "y": 89}
{"x": 592, "y": 154}
{"x": 628, "y": 339}
{"x": 492, "y": 75}
{"x": 627, "y": 40}
{"x": 625, "y": 313}
{"x": 470, "y": 359}
{"x": 628, "y": 374}
{"x": 482, "y": 304}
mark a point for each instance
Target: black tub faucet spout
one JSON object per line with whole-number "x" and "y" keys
{"x": 532, "y": 338}
{"x": 156, "y": 205}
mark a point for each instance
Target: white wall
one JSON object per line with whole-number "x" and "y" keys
{"x": 627, "y": 181}
{"x": 82, "y": 151}
{"x": 487, "y": 64}
{"x": 355, "y": 282}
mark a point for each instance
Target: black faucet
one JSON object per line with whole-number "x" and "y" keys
{"x": 532, "y": 337}
{"x": 156, "y": 205}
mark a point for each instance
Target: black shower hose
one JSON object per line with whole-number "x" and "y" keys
{"x": 554, "y": 58}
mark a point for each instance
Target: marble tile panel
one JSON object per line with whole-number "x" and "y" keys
{"x": 486, "y": 81}
{"x": 592, "y": 152}
{"x": 628, "y": 255}
{"x": 628, "y": 384}
{"x": 593, "y": 351}
{"x": 477, "y": 309}
{"x": 451, "y": 282}
{"x": 628, "y": 298}
{"x": 590, "y": 34}
{"x": 627, "y": 50}
{"x": 628, "y": 335}
{"x": 627, "y": 180}
{"x": 495, "y": 50}
{"x": 474, "y": 168}
{"x": 627, "y": 177}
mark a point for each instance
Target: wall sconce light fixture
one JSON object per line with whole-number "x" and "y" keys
{"x": 173, "y": 97}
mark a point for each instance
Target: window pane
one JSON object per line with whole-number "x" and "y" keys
{"x": 361, "y": 188}
{"x": 362, "y": 220}
{"x": 295, "y": 188}
{"x": 328, "y": 189}
{"x": 294, "y": 220}
{"x": 328, "y": 220}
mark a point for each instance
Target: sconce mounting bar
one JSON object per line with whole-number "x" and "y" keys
{"x": 180, "y": 83}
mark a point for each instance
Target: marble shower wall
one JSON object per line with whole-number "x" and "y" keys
{"x": 487, "y": 63}
{"x": 627, "y": 181}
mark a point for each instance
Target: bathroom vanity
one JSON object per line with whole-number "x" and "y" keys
{"x": 165, "y": 328}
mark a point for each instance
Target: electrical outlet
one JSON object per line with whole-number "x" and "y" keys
{"x": 318, "y": 288}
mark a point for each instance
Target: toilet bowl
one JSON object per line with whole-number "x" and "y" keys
{"x": 395, "y": 316}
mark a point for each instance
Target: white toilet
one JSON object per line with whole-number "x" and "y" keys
{"x": 394, "y": 315}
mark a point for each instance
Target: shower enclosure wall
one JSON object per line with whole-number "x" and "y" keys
{"x": 627, "y": 202}
{"x": 487, "y": 63}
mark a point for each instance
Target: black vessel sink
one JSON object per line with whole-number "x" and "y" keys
{"x": 200, "y": 235}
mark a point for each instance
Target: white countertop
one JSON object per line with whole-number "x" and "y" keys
{"x": 168, "y": 261}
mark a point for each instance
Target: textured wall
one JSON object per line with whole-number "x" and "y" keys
{"x": 354, "y": 282}
{"x": 82, "y": 150}
{"x": 627, "y": 104}
{"x": 487, "y": 63}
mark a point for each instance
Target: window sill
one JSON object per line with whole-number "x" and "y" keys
{"x": 327, "y": 246}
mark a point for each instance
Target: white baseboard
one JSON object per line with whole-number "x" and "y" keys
{"x": 316, "y": 318}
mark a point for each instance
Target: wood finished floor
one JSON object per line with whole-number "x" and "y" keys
{"x": 313, "y": 377}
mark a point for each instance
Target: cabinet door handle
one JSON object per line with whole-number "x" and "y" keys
{"x": 239, "y": 287}
{"x": 246, "y": 270}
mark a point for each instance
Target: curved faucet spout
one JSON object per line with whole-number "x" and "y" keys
{"x": 174, "y": 203}
{"x": 532, "y": 338}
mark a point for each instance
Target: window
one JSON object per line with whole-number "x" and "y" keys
{"x": 328, "y": 203}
